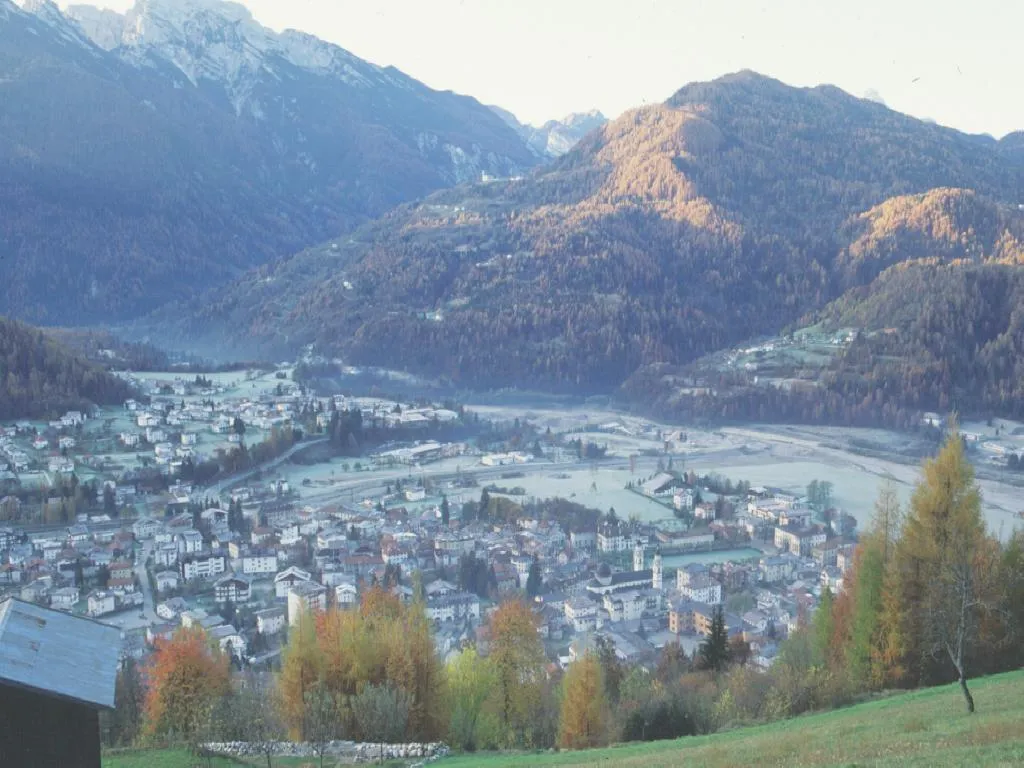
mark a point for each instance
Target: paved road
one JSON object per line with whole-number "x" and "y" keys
{"x": 219, "y": 487}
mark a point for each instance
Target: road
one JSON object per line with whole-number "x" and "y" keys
{"x": 219, "y": 487}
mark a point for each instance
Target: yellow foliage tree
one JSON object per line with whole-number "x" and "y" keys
{"x": 584, "y": 721}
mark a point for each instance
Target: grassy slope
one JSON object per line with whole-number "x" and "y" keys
{"x": 924, "y": 728}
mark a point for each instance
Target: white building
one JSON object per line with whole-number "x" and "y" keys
{"x": 288, "y": 578}
{"x": 101, "y": 603}
{"x": 307, "y": 596}
{"x": 581, "y": 613}
{"x": 271, "y": 621}
{"x": 254, "y": 564}
{"x": 232, "y": 589}
{"x": 455, "y": 607}
{"x": 203, "y": 566}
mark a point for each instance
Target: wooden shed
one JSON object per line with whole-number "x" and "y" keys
{"x": 56, "y": 672}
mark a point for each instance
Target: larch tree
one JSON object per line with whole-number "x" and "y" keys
{"x": 945, "y": 567}
{"x": 518, "y": 658}
{"x": 301, "y": 667}
{"x": 584, "y": 716}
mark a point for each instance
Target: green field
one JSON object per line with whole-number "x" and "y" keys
{"x": 923, "y": 728}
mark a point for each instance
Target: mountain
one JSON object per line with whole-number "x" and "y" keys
{"x": 937, "y": 325}
{"x": 43, "y": 378}
{"x": 555, "y": 137}
{"x": 182, "y": 143}
{"x": 673, "y": 231}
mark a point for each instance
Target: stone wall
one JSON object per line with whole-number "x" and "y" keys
{"x": 350, "y": 750}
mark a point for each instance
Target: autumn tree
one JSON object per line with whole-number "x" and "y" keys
{"x": 944, "y": 569}
{"x": 584, "y": 717}
{"x": 518, "y": 658}
{"x": 302, "y": 666}
{"x": 185, "y": 677}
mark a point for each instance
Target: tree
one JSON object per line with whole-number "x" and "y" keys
{"x": 583, "y": 722}
{"x": 238, "y": 426}
{"x": 184, "y": 679}
{"x": 382, "y": 713}
{"x": 471, "y": 680}
{"x": 944, "y": 567}
{"x": 446, "y": 512}
{"x": 122, "y": 725}
{"x": 713, "y": 653}
{"x": 322, "y": 715}
{"x": 518, "y": 659}
{"x": 301, "y": 667}
{"x": 822, "y": 628}
{"x": 533, "y": 580}
{"x": 612, "y": 670}
{"x": 255, "y": 717}
{"x": 861, "y": 640}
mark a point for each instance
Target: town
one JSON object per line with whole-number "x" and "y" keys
{"x": 107, "y": 516}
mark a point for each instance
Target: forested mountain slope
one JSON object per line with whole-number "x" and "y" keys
{"x": 39, "y": 377}
{"x": 729, "y": 211}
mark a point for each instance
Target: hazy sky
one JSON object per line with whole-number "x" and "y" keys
{"x": 949, "y": 60}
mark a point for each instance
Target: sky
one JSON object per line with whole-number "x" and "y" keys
{"x": 946, "y": 60}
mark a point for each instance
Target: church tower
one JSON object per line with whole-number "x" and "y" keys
{"x": 638, "y": 557}
{"x": 656, "y": 573}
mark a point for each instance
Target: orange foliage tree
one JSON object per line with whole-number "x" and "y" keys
{"x": 185, "y": 678}
{"x": 584, "y": 720}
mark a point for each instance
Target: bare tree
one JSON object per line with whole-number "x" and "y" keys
{"x": 382, "y": 713}
{"x": 322, "y": 719}
{"x": 250, "y": 714}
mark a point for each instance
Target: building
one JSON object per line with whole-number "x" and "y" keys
{"x": 232, "y": 589}
{"x": 56, "y": 672}
{"x": 271, "y": 621}
{"x": 101, "y": 603}
{"x": 288, "y": 578}
{"x": 346, "y": 595}
{"x": 190, "y": 542}
{"x": 166, "y": 580}
{"x": 203, "y": 566}
{"x": 64, "y": 599}
{"x": 581, "y": 613}
{"x": 702, "y": 590}
{"x": 605, "y": 582}
{"x": 258, "y": 563}
{"x": 453, "y": 607}
{"x": 306, "y": 596}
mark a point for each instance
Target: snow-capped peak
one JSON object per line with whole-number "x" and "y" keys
{"x": 213, "y": 40}
{"x": 48, "y": 13}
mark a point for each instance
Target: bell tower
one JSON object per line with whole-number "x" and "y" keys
{"x": 638, "y": 557}
{"x": 656, "y": 573}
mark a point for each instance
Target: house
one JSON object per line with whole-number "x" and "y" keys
{"x": 65, "y": 443}
{"x": 165, "y": 556}
{"x": 121, "y": 570}
{"x": 305, "y": 596}
{"x": 271, "y": 621}
{"x": 190, "y": 542}
{"x": 204, "y": 565}
{"x": 56, "y": 672}
{"x": 146, "y": 527}
{"x": 259, "y": 563}
{"x": 229, "y": 639}
{"x": 346, "y": 595}
{"x": 288, "y": 578}
{"x": 169, "y": 610}
{"x": 454, "y": 607}
{"x": 101, "y": 603}
{"x": 799, "y": 540}
{"x": 581, "y": 613}
{"x": 232, "y": 589}
{"x": 65, "y": 598}
{"x": 775, "y": 569}
{"x": 702, "y": 590}
{"x": 166, "y": 580}
{"x": 129, "y": 439}
{"x": 78, "y": 534}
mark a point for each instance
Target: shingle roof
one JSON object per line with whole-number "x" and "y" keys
{"x": 58, "y": 654}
